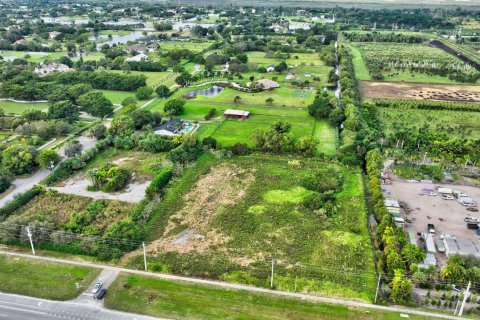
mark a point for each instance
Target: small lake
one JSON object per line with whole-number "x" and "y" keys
{"x": 133, "y": 36}
{"x": 207, "y": 92}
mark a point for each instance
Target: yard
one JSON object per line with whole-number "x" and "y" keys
{"x": 226, "y": 218}
{"x": 19, "y": 108}
{"x": 189, "y": 45}
{"x": 180, "y": 300}
{"x": 41, "y": 279}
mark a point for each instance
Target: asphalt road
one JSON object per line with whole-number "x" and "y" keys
{"x": 14, "y": 307}
{"x": 219, "y": 284}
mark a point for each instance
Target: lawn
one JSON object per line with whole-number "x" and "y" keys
{"x": 240, "y": 212}
{"x": 118, "y": 96}
{"x": 35, "y": 57}
{"x": 179, "y": 300}
{"x": 19, "y": 108}
{"x": 155, "y": 78}
{"x": 327, "y": 137}
{"x": 41, "y": 279}
{"x": 190, "y": 45}
{"x": 361, "y": 70}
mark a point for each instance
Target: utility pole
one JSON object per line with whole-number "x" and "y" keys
{"x": 271, "y": 274}
{"x": 144, "y": 255}
{"x": 378, "y": 287}
{"x": 29, "y": 234}
{"x": 464, "y": 299}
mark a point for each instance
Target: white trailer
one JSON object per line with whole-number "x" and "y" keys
{"x": 445, "y": 191}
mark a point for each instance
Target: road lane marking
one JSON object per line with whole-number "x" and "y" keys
{"x": 24, "y": 305}
{"x": 24, "y": 310}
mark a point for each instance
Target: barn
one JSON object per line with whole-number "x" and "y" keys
{"x": 238, "y": 114}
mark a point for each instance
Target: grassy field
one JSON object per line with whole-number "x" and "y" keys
{"x": 361, "y": 71}
{"x": 43, "y": 279}
{"x": 192, "y": 46}
{"x": 327, "y": 136}
{"x": 118, "y": 96}
{"x": 155, "y": 78}
{"x": 19, "y": 108}
{"x": 455, "y": 124}
{"x": 247, "y": 209}
{"x": 177, "y": 300}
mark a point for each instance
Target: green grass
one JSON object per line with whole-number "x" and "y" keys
{"x": 385, "y": 52}
{"x": 118, "y": 96}
{"x": 179, "y": 300}
{"x": 43, "y": 279}
{"x": 327, "y": 137}
{"x": 361, "y": 70}
{"x": 19, "y": 108}
{"x": 154, "y": 78}
{"x": 252, "y": 210}
{"x": 455, "y": 124}
{"x": 192, "y": 46}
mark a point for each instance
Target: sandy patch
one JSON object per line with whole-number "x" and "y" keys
{"x": 419, "y": 91}
{"x": 223, "y": 186}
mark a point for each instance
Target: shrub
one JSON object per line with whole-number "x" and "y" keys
{"x": 159, "y": 182}
{"x": 20, "y": 200}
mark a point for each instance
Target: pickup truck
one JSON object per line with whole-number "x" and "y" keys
{"x": 472, "y": 225}
{"x": 471, "y": 219}
{"x": 431, "y": 228}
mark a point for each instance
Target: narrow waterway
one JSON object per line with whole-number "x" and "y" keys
{"x": 336, "y": 89}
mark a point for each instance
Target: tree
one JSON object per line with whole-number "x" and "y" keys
{"x": 6, "y": 179}
{"x": 242, "y": 57}
{"x": 269, "y": 101}
{"x": 63, "y": 110}
{"x": 48, "y": 159}
{"x": 412, "y": 254}
{"x": 401, "y": 288}
{"x": 307, "y": 146}
{"x": 129, "y": 101}
{"x": 96, "y": 104}
{"x": 62, "y": 128}
{"x": 143, "y": 93}
{"x": 174, "y": 107}
{"x": 99, "y": 131}
{"x": 78, "y": 89}
{"x": 122, "y": 126}
{"x": 73, "y": 149}
{"x": 142, "y": 117}
{"x": 455, "y": 269}
{"x": 237, "y": 100}
{"x": 162, "y": 91}
{"x": 320, "y": 108}
{"x": 19, "y": 159}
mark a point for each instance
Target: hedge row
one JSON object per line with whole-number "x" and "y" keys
{"x": 159, "y": 182}
{"x": 19, "y": 201}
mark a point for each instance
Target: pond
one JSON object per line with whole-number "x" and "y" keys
{"x": 207, "y": 92}
{"x": 133, "y": 36}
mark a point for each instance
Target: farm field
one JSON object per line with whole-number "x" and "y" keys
{"x": 327, "y": 137}
{"x": 41, "y": 279}
{"x": 419, "y": 91}
{"x": 19, "y": 108}
{"x": 405, "y": 62}
{"x": 178, "y": 300}
{"x": 455, "y": 124}
{"x": 227, "y": 219}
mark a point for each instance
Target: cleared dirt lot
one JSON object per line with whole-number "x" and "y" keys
{"x": 419, "y": 91}
{"x": 446, "y": 215}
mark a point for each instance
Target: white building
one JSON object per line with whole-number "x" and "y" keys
{"x": 462, "y": 247}
{"x": 45, "y": 69}
{"x": 137, "y": 58}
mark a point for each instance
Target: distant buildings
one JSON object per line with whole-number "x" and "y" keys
{"x": 461, "y": 247}
{"x": 171, "y": 128}
{"x": 52, "y": 35}
{"x": 45, "y": 69}
{"x": 136, "y": 48}
{"x": 238, "y": 114}
{"x": 268, "y": 84}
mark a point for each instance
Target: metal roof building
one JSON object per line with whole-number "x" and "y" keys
{"x": 461, "y": 247}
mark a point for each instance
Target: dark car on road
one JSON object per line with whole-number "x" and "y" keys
{"x": 101, "y": 294}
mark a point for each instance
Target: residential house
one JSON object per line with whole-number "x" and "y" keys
{"x": 137, "y": 58}
{"x": 271, "y": 68}
{"x": 171, "y": 128}
{"x": 52, "y": 35}
{"x": 136, "y": 48}
{"x": 152, "y": 47}
{"x": 45, "y": 69}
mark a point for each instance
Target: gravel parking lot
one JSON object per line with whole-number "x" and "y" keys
{"x": 446, "y": 215}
